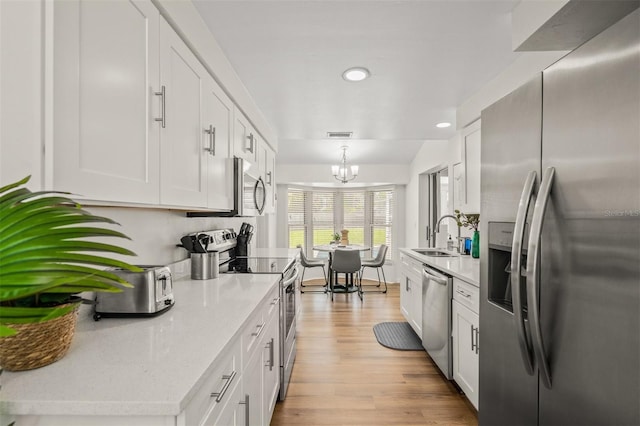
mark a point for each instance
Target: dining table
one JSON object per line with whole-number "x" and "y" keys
{"x": 330, "y": 249}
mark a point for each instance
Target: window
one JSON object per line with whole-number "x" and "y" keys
{"x": 382, "y": 206}
{"x": 322, "y": 214}
{"x": 314, "y": 216}
{"x": 353, "y": 216}
{"x": 296, "y": 220}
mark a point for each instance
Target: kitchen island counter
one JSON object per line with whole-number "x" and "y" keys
{"x": 461, "y": 266}
{"x": 148, "y": 366}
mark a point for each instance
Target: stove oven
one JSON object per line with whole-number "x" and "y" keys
{"x": 229, "y": 245}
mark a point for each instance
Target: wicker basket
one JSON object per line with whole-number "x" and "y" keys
{"x": 37, "y": 344}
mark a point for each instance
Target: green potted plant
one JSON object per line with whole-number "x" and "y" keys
{"x": 471, "y": 221}
{"x": 46, "y": 261}
{"x": 335, "y": 238}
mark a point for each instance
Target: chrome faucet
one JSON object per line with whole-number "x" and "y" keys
{"x": 438, "y": 230}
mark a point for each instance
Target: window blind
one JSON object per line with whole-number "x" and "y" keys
{"x": 314, "y": 215}
{"x": 354, "y": 215}
{"x": 322, "y": 216}
{"x": 382, "y": 206}
{"x": 296, "y": 217}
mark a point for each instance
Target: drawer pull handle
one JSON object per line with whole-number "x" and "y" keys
{"x": 260, "y": 328}
{"x": 275, "y": 301}
{"x": 229, "y": 378}
{"x": 463, "y": 293}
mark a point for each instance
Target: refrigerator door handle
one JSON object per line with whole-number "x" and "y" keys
{"x": 533, "y": 274}
{"x": 516, "y": 263}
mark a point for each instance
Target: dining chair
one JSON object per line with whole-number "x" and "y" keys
{"x": 377, "y": 263}
{"x": 346, "y": 262}
{"x": 312, "y": 262}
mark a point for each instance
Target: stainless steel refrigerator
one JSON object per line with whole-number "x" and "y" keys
{"x": 560, "y": 252}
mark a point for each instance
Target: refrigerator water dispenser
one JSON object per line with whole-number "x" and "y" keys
{"x": 500, "y": 240}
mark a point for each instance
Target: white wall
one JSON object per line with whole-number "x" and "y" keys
{"x": 154, "y": 233}
{"x": 432, "y": 153}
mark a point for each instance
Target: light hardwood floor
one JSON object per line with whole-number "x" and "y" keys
{"x": 342, "y": 376}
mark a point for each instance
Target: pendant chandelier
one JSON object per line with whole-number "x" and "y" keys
{"x": 343, "y": 173}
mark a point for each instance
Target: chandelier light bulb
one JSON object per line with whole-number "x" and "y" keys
{"x": 341, "y": 171}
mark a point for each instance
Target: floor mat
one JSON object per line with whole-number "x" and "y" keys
{"x": 397, "y": 335}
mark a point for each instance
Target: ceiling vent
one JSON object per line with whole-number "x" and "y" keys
{"x": 339, "y": 135}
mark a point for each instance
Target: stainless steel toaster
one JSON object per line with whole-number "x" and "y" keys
{"x": 152, "y": 293}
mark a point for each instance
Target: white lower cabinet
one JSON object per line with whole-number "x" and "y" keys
{"x": 271, "y": 369}
{"x": 218, "y": 390}
{"x": 411, "y": 292}
{"x": 261, "y": 377}
{"x": 233, "y": 414}
{"x": 253, "y": 388}
{"x": 465, "y": 336}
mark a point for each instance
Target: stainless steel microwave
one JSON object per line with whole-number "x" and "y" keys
{"x": 249, "y": 192}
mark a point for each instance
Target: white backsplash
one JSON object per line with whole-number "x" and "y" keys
{"x": 155, "y": 233}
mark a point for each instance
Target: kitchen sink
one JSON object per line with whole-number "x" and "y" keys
{"x": 434, "y": 252}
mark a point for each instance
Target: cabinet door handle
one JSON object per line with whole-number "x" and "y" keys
{"x": 473, "y": 343}
{"x": 251, "y": 142}
{"x": 271, "y": 355}
{"x": 162, "y": 94}
{"x": 406, "y": 283}
{"x": 246, "y": 409}
{"x": 275, "y": 301}
{"x": 260, "y": 328}
{"x": 211, "y": 131}
{"x": 229, "y": 379}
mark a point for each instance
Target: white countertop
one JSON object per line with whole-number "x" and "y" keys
{"x": 464, "y": 267}
{"x": 140, "y": 366}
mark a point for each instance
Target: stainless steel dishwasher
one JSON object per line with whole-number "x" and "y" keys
{"x": 436, "y": 318}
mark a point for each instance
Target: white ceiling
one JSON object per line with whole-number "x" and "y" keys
{"x": 425, "y": 57}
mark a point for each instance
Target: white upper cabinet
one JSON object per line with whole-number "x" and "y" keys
{"x": 261, "y": 154}
{"x": 244, "y": 139}
{"x": 137, "y": 116}
{"x": 269, "y": 180}
{"x": 183, "y": 140}
{"x": 218, "y": 125}
{"x": 106, "y": 144}
{"x": 470, "y": 150}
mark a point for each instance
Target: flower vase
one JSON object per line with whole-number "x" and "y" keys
{"x": 475, "y": 245}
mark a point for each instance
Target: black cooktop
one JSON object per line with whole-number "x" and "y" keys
{"x": 259, "y": 265}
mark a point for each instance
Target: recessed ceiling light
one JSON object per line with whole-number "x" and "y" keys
{"x": 443, "y": 125}
{"x": 355, "y": 74}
